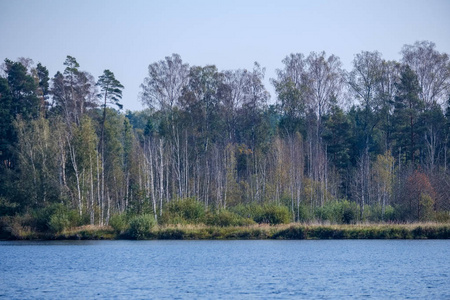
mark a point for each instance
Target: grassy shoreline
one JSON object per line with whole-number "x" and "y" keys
{"x": 294, "y": 231}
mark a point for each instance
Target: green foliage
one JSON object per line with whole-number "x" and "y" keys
{"x": 408, "y": 105}
{"x": 274, "y": 214}
{"x": 426, "y": 204}
{"x": 59, "y": 221}
{"x": 55, "y": 218}
{"x": 303, "y": 213}
{"x": 226, "y": 218}
{"x": 184, "y": 211}
{"x": 374, "y": 213}
{"x": 111, "y": 89}
{"x": 442, "y": 217}
{"x": 23, "y": 87}
{"x": 140, "y": 226}
{"x": 269, "y": 213}
{"x": 118, "y": 222}
{"x": 338, "y": 212}
{"x": 8, "y": 208}
{"x": 337, "y": 136}
{"x": 247, "y": 210}
{"x": 61, "y": 218}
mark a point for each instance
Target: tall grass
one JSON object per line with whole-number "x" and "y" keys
{"x": 145, "y": 228}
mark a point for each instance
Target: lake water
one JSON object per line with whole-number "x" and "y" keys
{"x": 266, "y": 269}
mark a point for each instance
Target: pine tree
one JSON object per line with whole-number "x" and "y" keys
{"x": 407, "y": 109}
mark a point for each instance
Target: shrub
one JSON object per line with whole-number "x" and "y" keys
{"x": 16, "y": 227}
{"x": 226, "y": 218}
{"x": 140, "y": 226}
{"x": 442, "y": 216}
{"x": 185, "y": 211}
{"x": 274, "y": 214}
{"x": 374, "y": 213}
{"x": 59, "y": 221}
{"x": 426, "y": 204}
{"x": 8, "y": 208}
{"x": 118, "y": 223}
{"x": 248, "y": 211}
{"x": 269, "y": 213}
{"x": 55, "y": 218}
{"x": 42, "y": 217}
{"x": 338, "y": 212}
{"x": 302, "y": 213}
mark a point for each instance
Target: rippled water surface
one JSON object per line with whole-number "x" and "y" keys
{"x": 225, "y": 269}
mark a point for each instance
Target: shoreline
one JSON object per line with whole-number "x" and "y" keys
{"x": 293, "y": 231}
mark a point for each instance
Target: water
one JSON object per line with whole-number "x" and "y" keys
{"x": 225, "y": 269}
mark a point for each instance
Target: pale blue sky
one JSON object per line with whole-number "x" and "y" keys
{"x": 126, "y": 36}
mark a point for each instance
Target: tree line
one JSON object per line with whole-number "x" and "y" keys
{"x": 375, "y": 138}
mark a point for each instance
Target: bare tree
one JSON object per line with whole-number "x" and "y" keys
{"x": 432, "y": 69}
{"x": 325, "y": 80}
{"x": 165, "y": 82}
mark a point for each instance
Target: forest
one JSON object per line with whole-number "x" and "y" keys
{"x": 370, "y": 144}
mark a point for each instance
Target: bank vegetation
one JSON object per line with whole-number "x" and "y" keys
{"x": 366, "y": 145}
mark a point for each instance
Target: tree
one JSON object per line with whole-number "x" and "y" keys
{"x": 418, "y": 197}
{"x": 162, "y": 90}
{"x": 201, "y": 99}
{"x": 232, "y": 95}
{"x": 6, "y": 124}
{"x": 447, "y": 134}
{"x": 42, "y": 79}
{"x": 365, "y": 77}
{"x": 363, "y": 81}
{"x": 383, "y": 169}
{"x": 110, "y": 89}
{"x": 252, "y": 111}
{"x": 83, "y": 155}
{"x": 165, "y": 82}
{"x": 18, "y": 98}
{"x": 294, "y": 71}
{"x": 336, "y": 136}
{"x": 73, "y": 92}
{"x": 408, "y": 107}
{"x": 432, "y": 70}
{"x": 292, "y": 89}
{"x": 325, "y": 81}
{"x": 22, "y": 88}
{"x": 432, "y": 125}
{"x": 110, "y": 93}
{"x": 37, "y": 150}
{"x": 385, "y": 94}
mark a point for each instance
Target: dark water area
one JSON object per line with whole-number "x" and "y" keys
{"x": 399, "y": 269}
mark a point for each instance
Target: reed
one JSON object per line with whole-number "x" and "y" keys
{"x": 309, "y": 231}
{"x": 293, "y": 231}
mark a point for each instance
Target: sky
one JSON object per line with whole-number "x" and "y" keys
{"x": 126, "y": 36}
